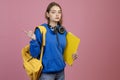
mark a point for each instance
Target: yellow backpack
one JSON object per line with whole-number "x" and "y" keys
{"x": 33, "y": 66}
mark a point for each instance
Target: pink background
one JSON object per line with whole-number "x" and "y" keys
{"x": 96, "y": 22}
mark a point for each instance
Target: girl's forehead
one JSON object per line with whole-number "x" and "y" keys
{"x": 54, "y": 8}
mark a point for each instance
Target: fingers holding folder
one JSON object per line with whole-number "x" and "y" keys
{"x": 74, "y": 56}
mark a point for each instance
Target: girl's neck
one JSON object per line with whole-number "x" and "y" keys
{"x": 53, "y": 24}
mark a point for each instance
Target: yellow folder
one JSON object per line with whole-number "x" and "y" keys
{"x": 71, "y": 47}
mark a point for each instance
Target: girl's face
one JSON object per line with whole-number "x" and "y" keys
{"x": 54, "y": 14}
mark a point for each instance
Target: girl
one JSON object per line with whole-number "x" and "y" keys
{"x": 53, "y": 62}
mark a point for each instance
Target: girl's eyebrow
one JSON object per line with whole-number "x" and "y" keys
{"x": 55, "y": 10}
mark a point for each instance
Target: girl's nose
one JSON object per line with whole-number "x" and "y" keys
{"x": 57, "y": 14}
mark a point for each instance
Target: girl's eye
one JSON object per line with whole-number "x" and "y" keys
{"x": 59, "y": 12}
{"x": 56, "y": 12}
{"x": 53, "y": 12}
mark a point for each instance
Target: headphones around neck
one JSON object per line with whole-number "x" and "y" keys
{"x": 57, "y": 28}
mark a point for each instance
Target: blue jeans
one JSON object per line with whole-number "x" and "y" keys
{"x": 53, "y": 76}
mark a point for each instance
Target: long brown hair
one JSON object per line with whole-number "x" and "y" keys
{"x": 48, "y": 9}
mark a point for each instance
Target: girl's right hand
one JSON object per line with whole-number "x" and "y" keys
{"x": 31, "y": 35}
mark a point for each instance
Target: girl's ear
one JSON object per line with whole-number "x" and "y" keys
{"x": 47, "y": 14}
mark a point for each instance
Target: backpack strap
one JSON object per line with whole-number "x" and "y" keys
{"x": 43, "y": 32}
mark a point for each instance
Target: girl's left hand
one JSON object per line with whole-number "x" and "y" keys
{"x": 75, "y": 56}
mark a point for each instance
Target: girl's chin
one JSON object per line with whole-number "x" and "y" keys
{"x": 56, "y": 20}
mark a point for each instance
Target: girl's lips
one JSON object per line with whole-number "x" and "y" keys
{"x": 57, "y": 18}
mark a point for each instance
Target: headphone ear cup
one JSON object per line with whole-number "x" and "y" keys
{"x": 61, "y": 30}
